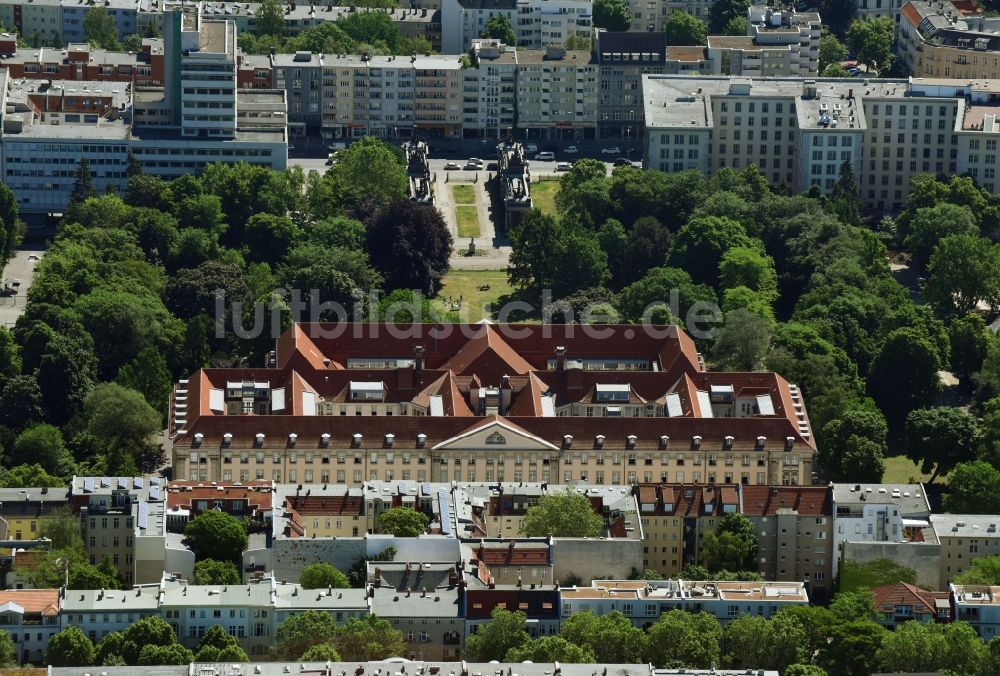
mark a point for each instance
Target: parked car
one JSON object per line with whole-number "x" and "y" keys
{"x": 451, "y": 166}
{"x": 545, "y": 156}
{"x": 572, "y": 150}
{"x": 612, "y": 150}
{"x": 330, "y": 159}
{"x": 854, "y": 71}
{"x": 531, "y": 148}
{"x": 476, "y": 160}
{"x": 473, "y": 166}
{"x": 621, "y": 162}
{"x": 564, "y": 166}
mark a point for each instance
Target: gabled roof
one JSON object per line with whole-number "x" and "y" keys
{"x": 887, "y": 597}
{"x": 487, "y": 352}
{"x": 44, "y": 601}
{"x": 497, "y": 425}
{"x": 767, "y": 500}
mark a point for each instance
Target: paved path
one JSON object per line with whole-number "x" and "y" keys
{"x": 21, "y": 267}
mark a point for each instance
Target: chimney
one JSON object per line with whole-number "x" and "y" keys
{"x": 560, "y": 358}
{"x": 418, "y": 358}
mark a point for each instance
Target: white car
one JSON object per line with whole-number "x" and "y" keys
{"x": 531, "y": 148}
{"x": 613, "y": 150}
{"x": 572, "y": 150}
{"x": 564, "y": 166}
{"x": 545, "y": 156}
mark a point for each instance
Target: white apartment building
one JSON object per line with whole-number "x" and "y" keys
{"x": 979, "y": 605}
{"x": 643, "y": 601}
{"x": 536, "y": 23}
{"x": 31, "y": 618}
{"x": 876, "y": 513}
{"x": 557, "y": 93}
{"x": 799, "y": 131}
{"x": 489, "y": 98}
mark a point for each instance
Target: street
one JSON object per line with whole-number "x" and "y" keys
{"x": 21, "y": 267}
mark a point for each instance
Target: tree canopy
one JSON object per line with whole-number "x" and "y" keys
{"x": 217, "y": 535}
{"x": 566, "y": 513}
{"x": 402, "y": 522}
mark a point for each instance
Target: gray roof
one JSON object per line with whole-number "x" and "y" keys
{"x": 293, "y": 597}
{"x": 143, "y": 598}
{"x": 910, "y": 498}
{"x": 966, "y": 525}
{"x": 436, "y": 603}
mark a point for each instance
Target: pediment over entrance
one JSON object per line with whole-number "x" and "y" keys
{"x": 495, "y": 433}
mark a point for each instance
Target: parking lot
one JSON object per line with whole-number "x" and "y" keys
{"x": 17, "y": 278}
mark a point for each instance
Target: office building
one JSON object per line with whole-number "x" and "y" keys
{"x": 623, "y": 59}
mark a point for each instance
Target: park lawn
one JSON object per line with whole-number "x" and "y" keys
{"x": 543, "y": 195}
{"x": 465, "y": 284}
{"x": 900, "y": 470}
{"x": 468, "y": 221}
{"x": 464, "y": 193}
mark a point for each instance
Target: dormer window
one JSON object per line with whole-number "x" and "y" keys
{"x": 567, "y": 440}
{"x": 421, "y": 440}
{"x": 198, "y": 438}
{"x": 259, "y": 439}
{"x": 390, "y": 438}
{"x": 630, "y": 441}
{"x": 612, "y": 392}
{"x": 356, "y": 440}
{"x": 599, "y": 441}
{"x": 696, "y": 441}
{"x": 664, "y": 441}
{"x": 227, "y": 438}
{"x": 292, "y": 436}
{"x": 727, "y": 443}
{"x": 367, "y": 391}
{"x": 324, "y": 439}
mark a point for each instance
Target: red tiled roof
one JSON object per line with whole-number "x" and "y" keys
{"x": 513, "y": 555}
{"x": 806, "y": 500}
{"x": 352, "y": 505}
{"x": 44, "y": 601}
{"x": 903, "y": 593}
{"x": 911, "y": 14}
{"x": 179, "y": 497}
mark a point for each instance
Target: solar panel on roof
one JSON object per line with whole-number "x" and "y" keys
{"x": 88, "y": 484}
{"x": 105, "y": 482}
{"x": 137, "y": 482}
{"x": 155, "y": 480}
{"x": 425, "y": 489}
{"x": 154, "y": 492}
{"x": 122, "y": 482}
{"x": 445, "y": 511}
{"x": 143, "y": 514}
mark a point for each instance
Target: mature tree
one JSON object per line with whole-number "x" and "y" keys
{"x": 904, "y": 373}
{"x": 122, "y": 421}
{"x": 193, "y": 290}
{"x": 683, "y": 639}
{"x": 358, "y": 574}
{"x": 338, "y": 231}
{"x": 929, "y": 225}
{"x": 871, "y": 40}
{"x": 611, "y": 638}
{"x": 29, "y": 476}
{"x": 300, "y": 632}
{"x": 11, "y": 227}
{"x": 83, "y": 181}
{"x": 682, "y": 28}
{"x": 149, "y": 375}
{"x": 323, "y": 652}
{"x": 43, "y": 444}
{"x": 210, "y": 571}
{"x": 804, "y": 670}
{"x": 370, "y": 638}
{"x": 831, "y": 50}
{"x": 647, "y": 300}
{"x": 939, "y": 438}
{"x": 769, "y": 644}
{"x": 732, "y": 546}
{"x": 505, "y": 632}
{"x": 216, "y": 535}
{"x": 855, "y": 575}
{"x": 100, "y": 29}
{"x": 403, "y": 522}
{"x": 612, "y": 15}
{"x": 10, "y": 358}
{"x": 984, "y": 570}
{"x": 846, "y": 197}
{"x": 737, "y": 26}
{"x": 852, "y": 648}
{"x": 550, "y": 649}
{"x": 918, "y": 647}
{"x": 743, "y": 341}
{"x": 724, "y": 11}
{"x": 749, "y": 267}
{"x": 337, "y": 275}
{"x": 155, "y": 655}
{"x": 964, "y": 271}
{"x": 549, "y": 254}
{"x": 646, "y": 246}
{"x": 566, "y": 513}
{"x": 8, "y": 651}
{"x": 218, "y": 646}
{"x": 970, "y": 342}
{"x": 368, "y": 175}
{"x": 270, "y": 19}
{"x": 148, "y": 632}
{"x": 322, "y": 575}
{"x": 86, "y": 576}
{"x": 856, "y": 433}
{"x": 700, "y": 244}
{"x": 269, "y": 237}
{"x": 70, "y": 648}
{"x": 973, "y": 488}
{"x": 498, "y": 28}
{"x": 411, "y": 246}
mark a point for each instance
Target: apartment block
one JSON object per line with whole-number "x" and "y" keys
{"x": 300, "y": 75}
{"x": 489, "y": 90}
{"x": 25, "y": 510}
{"x": 247, "y": 500}
{"x": 407, "y": 407}
{"x": 979, "y": 605}
{"x": 326, "y": 511}
{"x": 31, "y": 618}
{"x": 510, "y": 561}
{"x": 877, "y": 513}
{"x": 644, "y": 601}
{"x": 376, "y": 668}
{"x": 875, "y": 8}
{"x": 557, "y": 94}
{"x": 623, "y": 59}
{"x": 795, "y": 527}
{"x": 963, "y": 538}
{"x": 536, "y": 23}
{"x": 540, "y": 606}
{"x": 944, "y": 39}
{"x": 98, "y": 612}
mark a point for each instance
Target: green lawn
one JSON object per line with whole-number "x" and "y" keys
{"x": 464, "y": 193}
{"x": 468, "y": 221}
{"x": 464, "y": 285}
{"x": 900, "y": 470}
{"x": 543, "y": 196}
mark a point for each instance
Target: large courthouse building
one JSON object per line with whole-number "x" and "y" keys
{"x": 547, "y": 403}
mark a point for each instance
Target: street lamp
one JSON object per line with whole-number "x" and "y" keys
{"x": 628, "y": 142}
